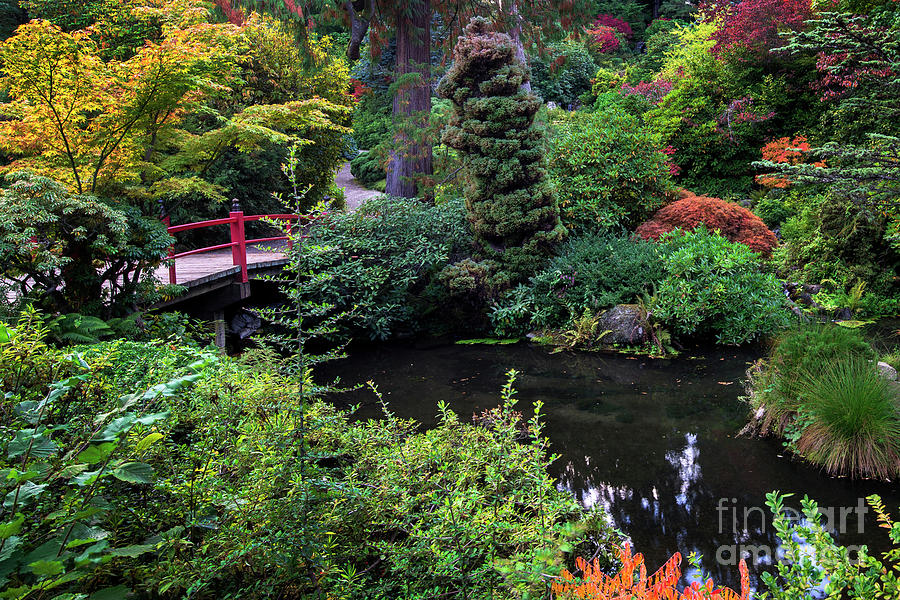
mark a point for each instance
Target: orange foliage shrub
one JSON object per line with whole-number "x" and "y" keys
{"x": 595, "y": 585}
{"x": 733, "y": 222}
{"x": 784, "y": 150}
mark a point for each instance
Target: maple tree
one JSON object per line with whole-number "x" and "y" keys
{"x": 754, "y": 25}
{"x": 93, "y": 124}
{"x": 733, "y": 222}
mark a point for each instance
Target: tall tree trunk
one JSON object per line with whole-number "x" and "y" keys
{"x": 516, "y": 35}
{"x": 411, "y": 156}
{"x": 359, "y": 26}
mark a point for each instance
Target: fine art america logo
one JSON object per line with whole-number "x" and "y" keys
{"x": 745, "y": 523}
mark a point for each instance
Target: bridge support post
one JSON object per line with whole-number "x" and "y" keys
{"x": 219, "y": 322}
{"x": 167, "y": 221}
{"x": 238, "y": 240}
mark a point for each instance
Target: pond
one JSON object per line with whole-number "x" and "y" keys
{"x": 654, "y": 442}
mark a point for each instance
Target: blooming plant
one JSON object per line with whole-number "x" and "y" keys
{"x": 652, "y": 91}
{"x": 632, "y": 583}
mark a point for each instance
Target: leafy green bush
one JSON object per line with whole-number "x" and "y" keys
{"x": 773, "y": 209}
{"x": 212, "y": 477}
{"x": 716, "y": 287}
{"x": 75, "y": 452}
{"x": 589, "y": 273}
{"x": 76, "y": 253}
{"x": 377, "y": 262}
{"x": 368, "y": 167}
{"x": 832, "y": 240}
{"x": 814, "y": 564}
{"x": 607, "y": 169}
{"x": 372, "y": 121}
{"x": 564, "y": 74}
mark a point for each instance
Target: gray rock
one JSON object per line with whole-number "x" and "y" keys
{"x": 887, "y": 371}
{"x": 245, "y": 324}
{"x": 625, "y": 324}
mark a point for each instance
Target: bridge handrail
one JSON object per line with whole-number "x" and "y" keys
{"x": 238, "y": 244}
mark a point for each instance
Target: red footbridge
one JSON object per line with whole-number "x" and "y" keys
{"x": 218, "y": 277}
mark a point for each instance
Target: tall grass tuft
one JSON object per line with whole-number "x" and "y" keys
{"x": 777, "y": 384}
{"x": 852, "y": 419}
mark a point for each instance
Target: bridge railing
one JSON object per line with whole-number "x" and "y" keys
{"x": 239, "y": 242}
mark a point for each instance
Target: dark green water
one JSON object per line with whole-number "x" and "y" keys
{"x": 651, "y": 441}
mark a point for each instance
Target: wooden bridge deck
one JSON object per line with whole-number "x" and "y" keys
{"x": 199, "y": 269}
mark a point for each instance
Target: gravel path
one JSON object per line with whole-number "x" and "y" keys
{"x": 354, "y": 193}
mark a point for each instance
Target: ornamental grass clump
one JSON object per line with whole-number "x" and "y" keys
{"x": 822, "y": 392}
{"x": 850, "y": 420}
{"x": 775, "y": 383}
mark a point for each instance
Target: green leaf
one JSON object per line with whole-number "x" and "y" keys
{"x": 133, "y": 551}
{"x": 134, "y": 472}
{"x": 153, "y": 418}
{"x": 9, "y": 547}
{"x": 34, "y": 442}
{"x": 115, "y": 428}
{"x": 94, "y": 454}
{"x": 86, "y": 478}
{"x": 13, "y": 527}
{"x": 27, "y": 491}
{"x": 112, "y": 593}
{"x": 148, "y": 441}
{"x": 47, "y": 567}
{"x": 5, "y": 333}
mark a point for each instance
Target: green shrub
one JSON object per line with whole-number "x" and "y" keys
{"x": 773, "y": 209}
{"x": 592, "y": 273}
{"x": 509, "y": 201}
{"x": 368, "y": 167}
{"x": 564, "y": 74}
{"x": 211, "y": 477}
{"x": 831, "y": 239}
{"x": 607, "y": 169}
{"x": 715, "y": 287}
{"x": 371, "y": 123}
{"x": 849, "y": 419}
{"x": 377, "y": 262}
{"x": 814, "y": 564}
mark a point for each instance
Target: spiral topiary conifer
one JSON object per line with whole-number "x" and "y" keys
{"x": 510, "y": 203}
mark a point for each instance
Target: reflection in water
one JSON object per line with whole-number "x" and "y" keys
{"x": 651, "y": 442}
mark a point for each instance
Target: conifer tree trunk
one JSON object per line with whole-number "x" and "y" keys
{"x": 516, "y": 35}
{"x": 411, "y": 155}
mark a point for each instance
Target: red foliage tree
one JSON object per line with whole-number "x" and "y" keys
{"x": 788, "y": 151}
{"x": 606, "y": 30}
{"x": 733, "y": 222}
{"x": 754, "y": 24}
